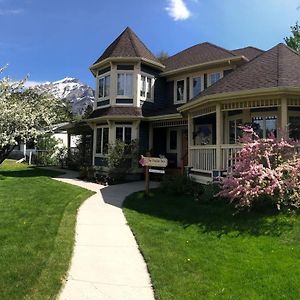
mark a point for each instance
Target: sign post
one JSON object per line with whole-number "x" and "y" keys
{"x": 152, "y": 162}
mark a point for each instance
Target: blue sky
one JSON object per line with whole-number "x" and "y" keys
{"x": 50, "y": 40}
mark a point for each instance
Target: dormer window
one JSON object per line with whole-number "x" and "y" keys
{"x": 125, "y": 84}
{"x": 214, "y": 77}
{"x": 146, "y": 87}
{"x": 197, "y": 86}
{"x": 104, "y": 86}
{"x": 180, "y": 91}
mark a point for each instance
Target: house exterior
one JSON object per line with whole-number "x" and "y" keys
{"x": 190, "y": 106}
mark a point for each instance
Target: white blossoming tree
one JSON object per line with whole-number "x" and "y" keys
{"x": 24, "y": 114}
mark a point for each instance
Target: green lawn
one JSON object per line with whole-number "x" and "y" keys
{"x": 37, "y": 222}
{"x": 200, "y": 250}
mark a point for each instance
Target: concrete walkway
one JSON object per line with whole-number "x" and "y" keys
{"x": 106, "y": 262}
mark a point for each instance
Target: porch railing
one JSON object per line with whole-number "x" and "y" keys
{"x": 203, "y": 158}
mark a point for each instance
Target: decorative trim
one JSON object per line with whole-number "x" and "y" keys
{"x": 169, "y": 123}
{"x": 256, "y": 103}
{"x": 204, "y": 111}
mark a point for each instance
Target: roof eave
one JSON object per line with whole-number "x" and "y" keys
{"x": 209, "y": 64}
{"x": 113, "y": 117}
{"x": 164, "y": 117}
{"x": 150, "y": 62}
{"x": 241, "y": 94}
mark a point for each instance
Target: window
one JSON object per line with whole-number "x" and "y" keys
{"x": 125, "y": 84}
{"x": 294, "y": 127}
{"x": 104, "y": 86}
{"x": 180, "y": 91}
{"x": 102, "y": 140}
{"x": 123, "y": 133}
{"x": 235, "y": 130}
{"x": 197, "y": 86}
{"x": 264, "y": 126}
{"x": 214, "y": 77}
{"x": 146, "y": 87}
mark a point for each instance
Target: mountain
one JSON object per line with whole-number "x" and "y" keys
{"x": 79, "y": 95}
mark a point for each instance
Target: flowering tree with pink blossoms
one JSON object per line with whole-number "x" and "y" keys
{"x": 264, "y": 169}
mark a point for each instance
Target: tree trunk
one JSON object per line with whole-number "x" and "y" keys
{"x": 5, "y": 151}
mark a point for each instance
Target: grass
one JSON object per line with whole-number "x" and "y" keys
{"x": 37, "y": 222}
{"x": 201, "y": 250}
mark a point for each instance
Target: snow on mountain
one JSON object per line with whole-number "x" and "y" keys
{"x": 79, "y": 95}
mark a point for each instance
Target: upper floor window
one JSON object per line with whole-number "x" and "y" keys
{"x": 197, "y": 83}
{"x": 146, "y": 87}
{"x": 213, "y": 78}
{"x": 101, "y": 140}
{"x": 180, "y": 91}
{"x": 125, "y": 84}
{"x": 104, "y": 86}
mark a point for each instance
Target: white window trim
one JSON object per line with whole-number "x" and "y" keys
{"x": 234, "y": 118}
{"x": 106, "y": 97}
{"x": 209, "y": 79}
{"x": 191, "y": 84}
{"x": 124, "y": 96}
{"x": 144, "y": 98}
{"x": 175, "y": 91}
{"x": 123, "y": 126}
{"x": 95, "y": 140}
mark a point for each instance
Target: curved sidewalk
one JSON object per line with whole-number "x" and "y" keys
{"x": 106, "y": 262}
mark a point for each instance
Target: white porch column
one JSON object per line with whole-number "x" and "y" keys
{"x": 111, "y": 132}
{"x": 190, "y": 138}
{"x": 284, "y": 114}
{"x": 113, "y": 83}
{"x": 219, "y": 135}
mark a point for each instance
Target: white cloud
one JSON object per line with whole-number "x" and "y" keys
{"x": 178, "y": 10}
{"x": 4, "y": 12}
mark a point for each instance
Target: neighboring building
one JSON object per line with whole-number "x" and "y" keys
{"x": 190, "y": 106}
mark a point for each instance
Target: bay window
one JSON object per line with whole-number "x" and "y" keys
{"x": 101, "y": 140}
{"x": 104, "y": 86}
{"x": 125, "y": 84}
{"x": 124, "y": 134}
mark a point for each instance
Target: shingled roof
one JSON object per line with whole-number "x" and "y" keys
{"x": 249, "y": 52}
{"x": 127, "y": 44}
{"x": 113, "y": 111}
{"x": 198, "y": 54}
{"x": 277, "y": 67}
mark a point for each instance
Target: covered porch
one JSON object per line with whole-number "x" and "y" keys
{"x": 214, "y": 130}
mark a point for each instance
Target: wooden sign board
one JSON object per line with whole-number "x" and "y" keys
{"x": 153, "y": 162}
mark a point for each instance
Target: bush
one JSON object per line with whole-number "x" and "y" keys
{"x": 181, "y": 185}
{"x": 47, "y": 146}
{"x": 264, "y": 169}
{"x": 121, "y": 157}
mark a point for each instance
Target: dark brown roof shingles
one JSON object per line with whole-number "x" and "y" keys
{"x": 127, "y": 44}
{"x": 128, "y": 111}
{"x": 249, "y": 52}
{"x": 201, "y": 53}
{"x": 277, "y": 67}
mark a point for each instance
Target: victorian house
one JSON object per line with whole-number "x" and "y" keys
{"x": 190, "y": 107}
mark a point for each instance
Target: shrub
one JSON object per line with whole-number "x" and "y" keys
{"x": 120, "y": 158}
{"x": 181, "y": 185}
{"x": 264, "y": 168}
